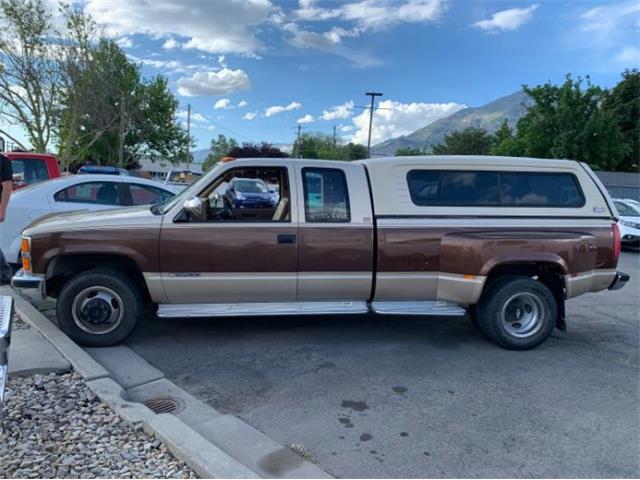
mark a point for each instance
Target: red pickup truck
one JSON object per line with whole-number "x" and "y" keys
{"x": 29, "y": 167}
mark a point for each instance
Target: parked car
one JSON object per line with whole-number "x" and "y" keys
{"x": 506, "y": 239}
{"x": 629, "y": 221}
{"x": 102, "y": 170}
{"x": 72, "y": 193}
{"x": 29, "y": 168}
{"x": 249, "y": 193}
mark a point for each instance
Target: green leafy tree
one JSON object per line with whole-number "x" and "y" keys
{"x": 220, "y": 147}
{"x": 504, "y": 141}
{"x": 257, "y": 150}
{"x": 124, "y": 118}
{"x": 324, "y": 147}
{"x": 623, "y": 104}
{"x": 408, "y": 152}
{"x": 566, "y": 121}
{"x": 470, "y": 141}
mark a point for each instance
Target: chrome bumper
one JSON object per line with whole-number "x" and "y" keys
{"x": 619, "y": 281}
{"x": 23, "y": 279}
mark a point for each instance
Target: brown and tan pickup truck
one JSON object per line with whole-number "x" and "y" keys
{"x": 507, "y": 240}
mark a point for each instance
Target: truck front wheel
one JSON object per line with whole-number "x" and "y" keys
{"x": 517, "y": 312}
{"x": 98, "y": 308}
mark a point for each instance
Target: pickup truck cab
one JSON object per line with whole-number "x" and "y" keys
{"x": 29, "y": 168}
{"x": 507, "y": 240}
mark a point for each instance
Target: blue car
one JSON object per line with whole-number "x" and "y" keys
{"x": 250, "y": 193}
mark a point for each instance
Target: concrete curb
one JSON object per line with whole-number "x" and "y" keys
{"x": 206, "y": 459}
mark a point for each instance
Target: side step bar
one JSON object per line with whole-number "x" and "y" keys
{"x": 307, "y": 308}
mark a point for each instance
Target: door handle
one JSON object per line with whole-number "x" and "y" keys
{"x": 286, "y": 238}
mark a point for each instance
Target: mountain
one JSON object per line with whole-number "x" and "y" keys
{"x": 489, "y": 117}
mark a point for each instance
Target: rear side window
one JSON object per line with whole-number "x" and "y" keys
{"x": 326, "y": 198}
{"x": 486, "y": 188}
{"x": 103, "y": 193}
{"x": 147, "y": 195}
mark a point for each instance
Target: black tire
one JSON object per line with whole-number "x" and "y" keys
{"x": 114, "y": 295}
{"x": 517, "y": 312}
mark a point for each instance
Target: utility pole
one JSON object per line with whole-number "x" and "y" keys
{"x": 121, "y": 127}
{"x": 298, "y": 141}
{"x": 334, "y": 136}
{"x": 373, "y": 96}
{"x": 188, "y": 160}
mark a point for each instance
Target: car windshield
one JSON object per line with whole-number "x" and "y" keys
{"x": 626, "y": 209}
{"x": 251, "y": 186}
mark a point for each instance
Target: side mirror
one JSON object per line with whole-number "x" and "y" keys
{"x": 193, "y": 206}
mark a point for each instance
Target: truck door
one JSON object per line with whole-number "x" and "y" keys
{"x": 335, "y": 233}
{"x": 243, "y": 248}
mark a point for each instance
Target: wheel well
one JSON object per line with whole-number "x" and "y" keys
{"x": 63, "y": 268}
{"x": 550, "y": 274}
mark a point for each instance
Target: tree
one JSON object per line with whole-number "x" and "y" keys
{"x": 470, "y": 141}
{"x": 257, "y": 150}
{"x": 29, "y": 71}
{"x": 220, "y": 147}
{"x": 322, "y": 147}
{"x": 504, "y": 141}
{"x": 566, "y": 121}
{"x": 408, "y": 152}
{"x": 118, "y": 116}
{"x": 623, "y": 104}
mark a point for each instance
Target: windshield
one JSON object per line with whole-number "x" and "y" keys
{"x": 627, "y": 209}
{"x": 192, "y": 191}
{"x": 251, "y": 186}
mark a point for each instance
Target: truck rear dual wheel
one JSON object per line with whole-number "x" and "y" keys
{"x": 99, "y": 307}
{"x": 517, "y": 312}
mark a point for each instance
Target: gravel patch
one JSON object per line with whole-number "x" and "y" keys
{"x": 55, "y": 427}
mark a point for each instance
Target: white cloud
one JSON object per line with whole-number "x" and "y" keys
{"x": 221, "y": 82}
{"x": 629, "y": 56}
{"x": 605, "y": 24}
{"x": 277, "y": 109}
{"x": 396, "y": 118}
{"x": 507, "y": 20}
{"x": 346, "y": 128}
{"x": 222, "y": 104}
{"x": 195, "y": 117}
{"x": 250, "y": 115}
{"x": 124, "y": 42}
{"x": 170, "y": 44}
{"x": 339, "y": 111}
{"x": 242, "y": 103}
{"x": 373, "y": 14}
{"x": 221, "y": 26}
{"x": 306, "y": 119}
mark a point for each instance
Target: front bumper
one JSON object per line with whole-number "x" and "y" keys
{"x": 23, "y": 279}
{"x": 630, "y": 240}
{"x": 619, "y": 281}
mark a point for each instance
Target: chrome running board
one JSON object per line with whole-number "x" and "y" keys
{"x": 439, "y": 308}
{"x": 260, "y": 309}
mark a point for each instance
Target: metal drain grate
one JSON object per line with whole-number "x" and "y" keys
{"x": 162, "y": 405}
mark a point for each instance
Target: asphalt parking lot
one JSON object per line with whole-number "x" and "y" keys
{"x": 424, "y": 397}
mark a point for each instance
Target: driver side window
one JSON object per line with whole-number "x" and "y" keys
{"x": 249, "y": 194}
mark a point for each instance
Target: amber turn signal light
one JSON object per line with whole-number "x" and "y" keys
{"x": 25, "y": 245}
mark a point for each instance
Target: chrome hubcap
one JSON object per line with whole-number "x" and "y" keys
{"x": 97, "y": 310}
{"x": 522, "y": 314}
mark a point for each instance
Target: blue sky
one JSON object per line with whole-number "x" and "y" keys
{"x": 256, "y": 69}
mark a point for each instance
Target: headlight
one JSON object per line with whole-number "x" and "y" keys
{"x": 627, "y": 223}
{"x": 25, "y": 253}
{"x": 239, "y": 196}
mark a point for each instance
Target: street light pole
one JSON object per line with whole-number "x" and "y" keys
{"x": 373, "y": 96}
